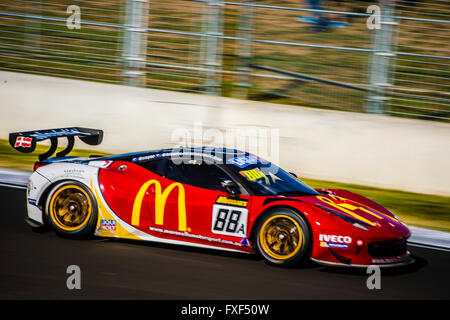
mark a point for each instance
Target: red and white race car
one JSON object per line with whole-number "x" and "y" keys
{"x": 210, "y": 198}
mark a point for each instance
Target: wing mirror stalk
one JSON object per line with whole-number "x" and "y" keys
{"x": 230, "y": 187}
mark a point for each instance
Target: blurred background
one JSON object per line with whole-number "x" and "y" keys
{"x": 316, "y": 53}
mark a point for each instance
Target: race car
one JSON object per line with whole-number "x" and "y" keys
{"x": 206, "y": 197}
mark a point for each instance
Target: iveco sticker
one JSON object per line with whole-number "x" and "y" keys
{"x": 335, "y": 239}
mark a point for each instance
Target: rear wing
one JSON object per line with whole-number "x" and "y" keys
{"x": 26, "y": 141}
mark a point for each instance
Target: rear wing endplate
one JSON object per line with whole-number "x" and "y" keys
{"x": 26, "y": 141}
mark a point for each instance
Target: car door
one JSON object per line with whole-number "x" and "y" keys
{"x": 196, "y": 207}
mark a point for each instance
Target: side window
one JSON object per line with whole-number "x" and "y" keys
{"x": 156, "y": 166}
{"x": 199, "y": 175}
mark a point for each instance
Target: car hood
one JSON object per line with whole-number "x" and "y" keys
{"x": 362, "y": 214}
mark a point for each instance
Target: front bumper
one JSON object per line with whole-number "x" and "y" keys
{"x": 403, "y": 260}
{"x": 372, "y": 251}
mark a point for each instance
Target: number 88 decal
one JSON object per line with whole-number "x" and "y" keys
{"x": 228, "y": 220}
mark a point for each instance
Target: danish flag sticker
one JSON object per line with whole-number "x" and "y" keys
{"x": 23, "y": 142}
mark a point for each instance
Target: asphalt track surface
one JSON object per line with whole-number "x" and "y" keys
{"x": 33, "y": 266}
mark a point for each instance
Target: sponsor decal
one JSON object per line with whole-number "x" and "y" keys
{"x": 335, "y": 239}
{"x": 244, "y": 242}
{"x": 253, "y": 174}
{"x": 196, "y": 236}
{"x": 149, "y": 157}
{"x": 230, "y": 221}
{"x": 390, "y": 260}
{"x": 23, "y": 142}
{"x": 232, "y": 202}
{"x": 160, "y": 203}
{"x": 73, "y": 171}
{"x": 32, "y": 201}
{"x": 77, "y": 173}
{"x": 108, "y": 225}
{"x": 324, "y": 244}
{"x": 41, "y": 135}
{"x": 243, "y": 161}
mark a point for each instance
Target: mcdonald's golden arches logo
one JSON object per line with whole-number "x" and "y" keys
{"x": 160, "y": 203}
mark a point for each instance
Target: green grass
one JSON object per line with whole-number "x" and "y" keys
{"x": 429, "y": 211}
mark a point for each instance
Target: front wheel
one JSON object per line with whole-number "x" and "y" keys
{"x": 71, "y": 210}
{"x": 283, "y": 237}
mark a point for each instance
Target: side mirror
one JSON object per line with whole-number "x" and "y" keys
{"x": 293, "y": 174}
{"x": 230, "y": 187}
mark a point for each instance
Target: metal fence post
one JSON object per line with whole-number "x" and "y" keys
{"x": 244, "y": 50}
{"x": 135, "y": 42}
{"x": 379, "y": 69}
{"x": 213, "y": 21}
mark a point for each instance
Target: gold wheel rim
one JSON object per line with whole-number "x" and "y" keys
{"x": 281, "y": 237}
{"x": 70, "y": 208}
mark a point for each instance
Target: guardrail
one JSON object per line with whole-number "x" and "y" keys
{"x": 400, "y": 67}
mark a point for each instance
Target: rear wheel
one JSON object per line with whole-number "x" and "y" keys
{"x": 71, "y": 210}
{"x": 283, "y": 237}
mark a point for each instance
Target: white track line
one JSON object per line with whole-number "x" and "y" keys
{"x": 12, "y": 186}
{"x": 412, "y": 244}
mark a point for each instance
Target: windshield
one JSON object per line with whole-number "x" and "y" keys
{"x": 265, "y": 178}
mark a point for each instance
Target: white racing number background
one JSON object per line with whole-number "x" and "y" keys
{"x": 229, "y": 220}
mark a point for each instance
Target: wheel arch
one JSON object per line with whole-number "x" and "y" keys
{"x": 86, "y": 228}
{"x": 253, "y": 229}
{"x": 44, "y": 195}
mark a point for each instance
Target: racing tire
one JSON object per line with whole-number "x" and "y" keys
{"x": 283, "y": 237}
{"x": 71, "y": 210}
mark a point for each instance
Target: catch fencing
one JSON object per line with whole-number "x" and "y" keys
{"x": 387, "y": 56}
